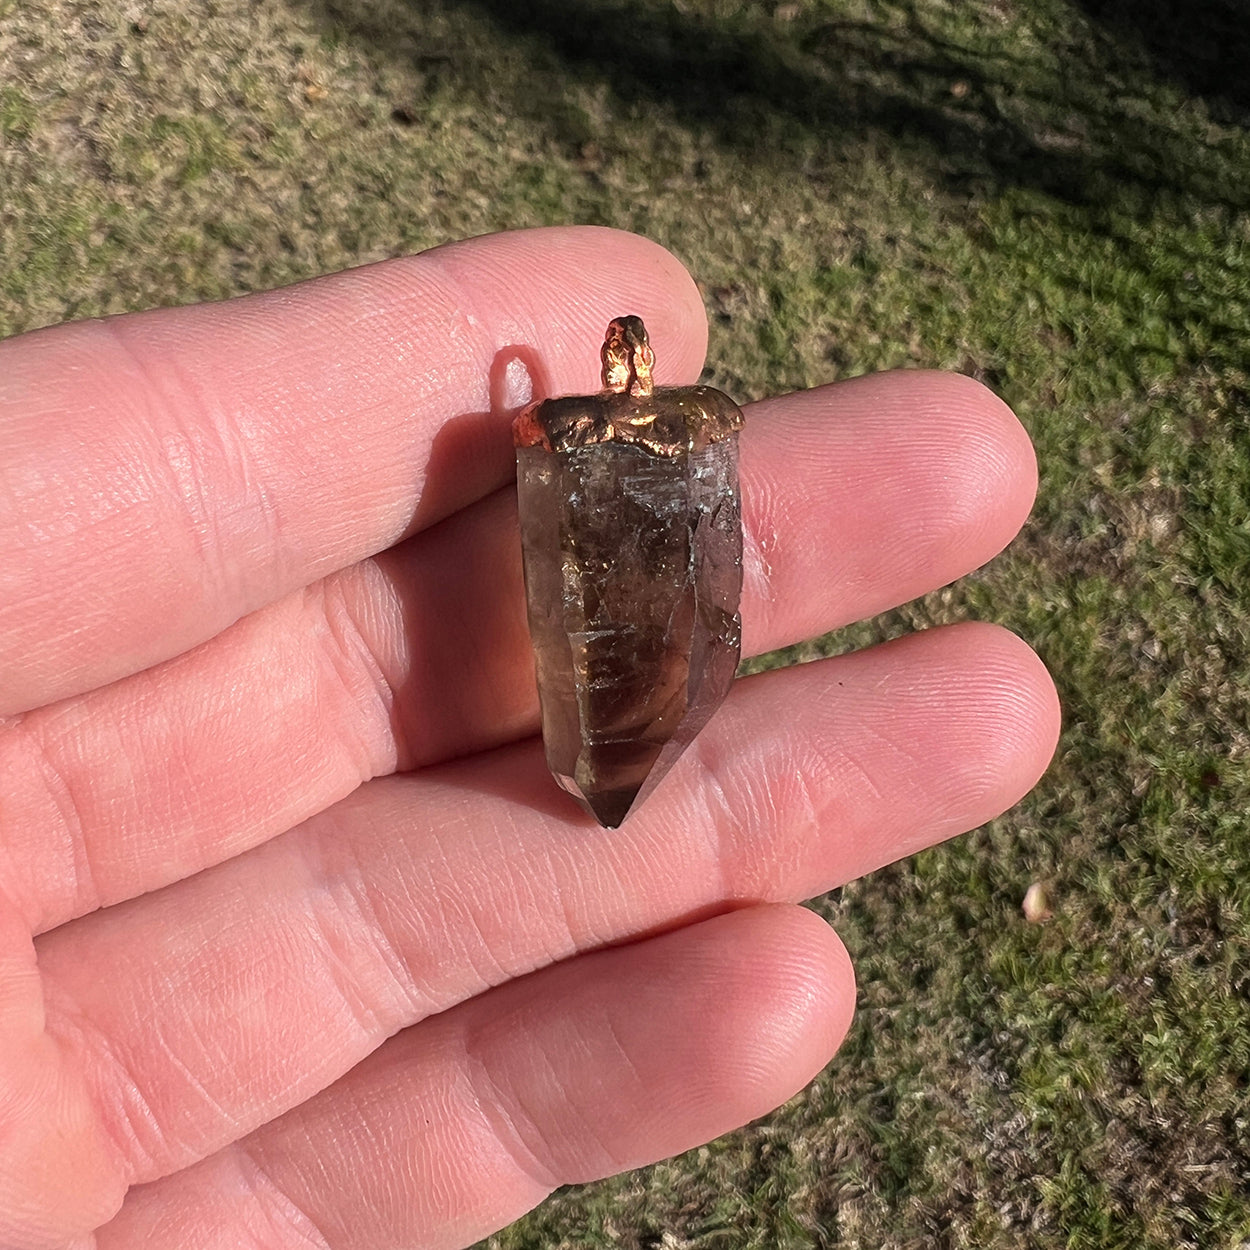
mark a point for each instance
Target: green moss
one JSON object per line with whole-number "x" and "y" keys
{"x": 17, "y": 114}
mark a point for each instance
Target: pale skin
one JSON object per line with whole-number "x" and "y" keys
{"x": 320, "y": 956}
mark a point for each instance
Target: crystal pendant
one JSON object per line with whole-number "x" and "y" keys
{"x": 632, "y": 540}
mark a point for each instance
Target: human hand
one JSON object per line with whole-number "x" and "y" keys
{"x": 323, "y": 958}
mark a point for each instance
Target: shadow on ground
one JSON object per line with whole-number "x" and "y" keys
{"x": 788, "y": 83}
{"x": 1203, "y": 46}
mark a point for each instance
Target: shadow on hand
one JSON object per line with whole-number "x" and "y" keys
{"x": 473, "y": 454}
{"x": 463, "y": 675}
{"x": 517, "y": 774}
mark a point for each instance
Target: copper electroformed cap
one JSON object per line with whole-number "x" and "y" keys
{"x": 666, "y": 420}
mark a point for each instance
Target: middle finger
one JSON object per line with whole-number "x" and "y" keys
{"x": 857, "y": 497}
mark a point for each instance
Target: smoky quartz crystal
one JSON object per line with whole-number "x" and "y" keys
{"x": 632, "y": 541}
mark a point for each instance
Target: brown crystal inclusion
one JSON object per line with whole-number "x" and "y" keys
{"x": 632, "y": 540}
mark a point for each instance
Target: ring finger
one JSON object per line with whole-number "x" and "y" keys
{"x": 190, "y": 1010}
{"x": 459, "y": 1125}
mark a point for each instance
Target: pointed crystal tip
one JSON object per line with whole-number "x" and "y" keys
{"x": 608, "y": 807}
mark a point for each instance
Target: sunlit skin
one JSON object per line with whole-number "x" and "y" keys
{"x": 321, "y": 955}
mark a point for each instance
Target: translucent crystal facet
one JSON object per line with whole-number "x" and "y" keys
{"x": 633, "y": 570}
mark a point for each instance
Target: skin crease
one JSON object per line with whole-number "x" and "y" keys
{"x": 312, "y": 920}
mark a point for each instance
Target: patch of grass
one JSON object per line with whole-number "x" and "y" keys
{"x": 17, "y": 114}
{"x": 1051, "y": 197}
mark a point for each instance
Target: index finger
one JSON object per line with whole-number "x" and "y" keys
{"x": 162, "y": 474}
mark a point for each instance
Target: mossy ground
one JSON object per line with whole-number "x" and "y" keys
{"x": 1050, "y": 195}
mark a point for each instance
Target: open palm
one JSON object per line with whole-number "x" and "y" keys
{"x": 321, "y": 957}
